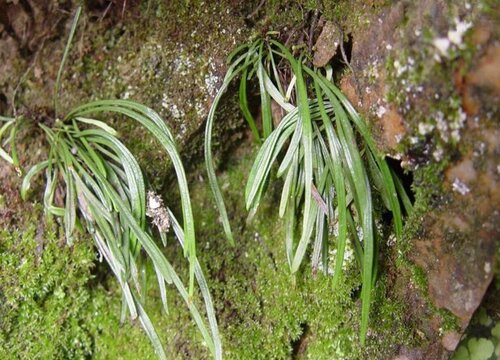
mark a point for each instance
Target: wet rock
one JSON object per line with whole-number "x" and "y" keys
{"x": 394, "y": 89}
{"x": 393, "y": 128}
{"x": 486, "y": 73}
{"x": 450, "y": 340}
{"x": 327, "y": 44}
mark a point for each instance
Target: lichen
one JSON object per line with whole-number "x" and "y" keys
{"x": 173, "y": 59}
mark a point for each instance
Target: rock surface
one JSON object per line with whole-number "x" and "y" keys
{"x": 429, "y": 89}
{"x": 399, "y": 82}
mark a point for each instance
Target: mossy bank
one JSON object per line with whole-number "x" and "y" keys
{"x": 60, "y": 302}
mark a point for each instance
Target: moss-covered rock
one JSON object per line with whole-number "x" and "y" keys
{"x": 59, "y": 302}
{"x": 46, "y": 303}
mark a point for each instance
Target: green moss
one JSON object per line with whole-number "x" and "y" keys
{"x": 264, "y": 312}
{"x": 44, "y": 307}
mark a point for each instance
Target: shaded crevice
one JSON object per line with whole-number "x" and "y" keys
{"x": 405, "y": 176}
{"x": 300, "y": 344}
{"x": 3, "y": 103}
{"x": 338, "y": 62}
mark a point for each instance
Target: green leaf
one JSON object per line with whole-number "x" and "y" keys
{"x": 271, "y": 89}
{"x": 133, "y": 173}
{"x": 70, "y": 211}
{"x": 265, "y": 158}
{"x": 99, "y": 124}
{"x": 362, "y": 196}
{"x": 29, "y": 175}
{"x": 150, "y": 330}
{"x": 244, "y": 106}
{"x": 480, "y": 349}
{"x": 156, "y": 126}
{"x": 202, "y": 283}
{"x": 267, "y": 118}
{"x": 288, "y": 187}
{"x": 307, "y": 136}
{"x": 13, "y": 148}
{"x": 292, "y": 148}
{"x": 334, "y": 163}
{"x": 65, "y": 56}
{"x": 239, "y": 65}
{"x": 405, "y": 199}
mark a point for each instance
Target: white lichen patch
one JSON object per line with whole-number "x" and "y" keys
{"x": 400, "y": 68}
{"x": 458, "y": 124}
{"x": 391, "y": 241}
{"x": 211, "y": 80}
{"x": 442, "y": 125}
{"x": 438, "y": 153}
{"x": 172, "y": 108}
{"x": 381, "y": 110}
{"x": 332, "y": 255}
{"x": 454, "y": 39}
{"x": 460, "y": 187}
{"x": 456, "y": 35}
{"x": 183, "y": 63}
{"x": 442, "y": 44}
{"x": 372, "y": 70}
{"x": 424, "y": 128}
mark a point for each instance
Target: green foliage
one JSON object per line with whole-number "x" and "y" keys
{"x": 45, "y": 305}
{"x": 262, "y": 310}
{"x": 325, "y": 172}
{"x": 104, "y": 192}
{"x": 480, "y": 349}
{"x": 482, "y": 338}
{"x": 264, "y": 313}
{"x": 10, "y": 135}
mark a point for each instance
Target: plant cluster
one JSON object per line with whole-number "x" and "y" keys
{"x": 329, "y": 180}
{"x": 105, "y": 193}
{"x": 325, "y": 154}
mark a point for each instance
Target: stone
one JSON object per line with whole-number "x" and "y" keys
{"x": 450, "y": 340}
{"x": 486, "y": 73}
{"x": 326, "y": 45}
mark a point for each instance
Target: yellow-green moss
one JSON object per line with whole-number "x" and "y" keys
{"x": 45, "y": 295}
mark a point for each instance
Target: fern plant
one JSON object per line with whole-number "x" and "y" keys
{"x": 105, "y": 193}
{"x": 329, "y": 176}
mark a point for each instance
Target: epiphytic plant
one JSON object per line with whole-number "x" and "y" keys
{"x": 105, "y": 193}
{"x": 326, "y": 155}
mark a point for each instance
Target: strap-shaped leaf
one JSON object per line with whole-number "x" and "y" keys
{"x": 307, "y": 136}
{"x": 334, "y": 162}
{"x": 234, "y": 70}
{"x": 202, "y": 283}
{"x": 70, "y": 210}
{"x": 64, "y": 58}
{"x": 99, "y": 124}
{"x": 151, "y": 121}
{"x": 35, "y": 169}
{"x": 265, "y": 99}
